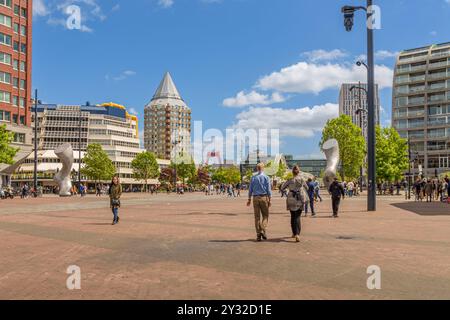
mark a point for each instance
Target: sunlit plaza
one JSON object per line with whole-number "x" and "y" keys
{"x": 194, "y": 246}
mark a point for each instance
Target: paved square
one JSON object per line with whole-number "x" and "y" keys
{"x": 198, "y": 247}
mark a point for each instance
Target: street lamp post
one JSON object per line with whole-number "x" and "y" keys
{"x": 348, "y": 12}
{"x": 35, "y": 180}
{"x": 79, "y": 148}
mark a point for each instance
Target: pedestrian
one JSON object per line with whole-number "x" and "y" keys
{"x": 115, "y": 192}
{"x": 317, "y": 189}
{"x": 337, "y": 192}
{"x": 350, "y": 187}
{"x": 429, "y": 190}
{"x": 311, "y": 193}
{"x": 296, "y": 200}
{"x": 261, "y": 193}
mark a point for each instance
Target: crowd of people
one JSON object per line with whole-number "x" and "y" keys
{"x": 432, "y": 189}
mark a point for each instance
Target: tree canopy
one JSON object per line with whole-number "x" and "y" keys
{"x": 145, "y": 167}
{"x": 352, "y": 145}
{"x": 97, "y": 165}
{"x": 391, "y": 155}
{"x": 7, "y": 153}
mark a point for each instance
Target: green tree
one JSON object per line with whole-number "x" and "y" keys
{"x": 97, "y": 165}
{"x": 185, "y": 170}
{"x": 281, "y": 172}
{"x": 248, "y": 175}
{"x": 145, "y": 167}
{"x": 7, "y": 153}
{"x": 391, "y": 155}
{"x": 352, "y": 145}
{"x": 232, "y": 175}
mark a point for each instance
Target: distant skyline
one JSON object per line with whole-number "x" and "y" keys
{"x": 236, "y": 63}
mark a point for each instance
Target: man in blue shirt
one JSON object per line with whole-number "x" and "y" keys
{"x": 261, "y": 192}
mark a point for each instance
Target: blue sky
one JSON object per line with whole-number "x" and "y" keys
{"x": 237, "y": 63}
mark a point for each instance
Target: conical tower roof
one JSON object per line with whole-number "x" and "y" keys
{"x": 167, "y": 89}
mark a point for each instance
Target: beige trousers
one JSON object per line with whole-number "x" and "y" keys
{"x": 261, "y": 209}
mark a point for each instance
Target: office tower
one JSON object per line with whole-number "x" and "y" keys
{"x": 351, "y": 99}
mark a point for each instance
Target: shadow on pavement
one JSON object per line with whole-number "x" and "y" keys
{"x": 425, "y": 208}
{"x": 275, "y": 240}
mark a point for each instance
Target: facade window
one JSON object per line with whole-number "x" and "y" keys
{"x": 23, "y": 12}
{"x": 23, "y": 84}
{"x": 5, "y": 58}
{"x": 15, "y": 119}
{"x": 5, "y": 39}
{"x": 15, "y": 101}
{"x": 15, "y": 64}
{"x": 22, "y": 102}
{"x": 5, "y": 20}
{"x": 22, "y": 66}
{"x": 16, "y": 9}
{"x": 23, "y": 48}
{"x": 15, "y": 82}
{"x": 5, "y": 77}
{"x": 6, "y": 3}
{"x": 5, "y": 96}
{"x": 22, "y": 119}
{"x": 16, "y": 28}
{"x": 23, "y": 31}
{"x": 16, "y": 46}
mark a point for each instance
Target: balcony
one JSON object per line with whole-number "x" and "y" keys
{"x": 439, "y": 75}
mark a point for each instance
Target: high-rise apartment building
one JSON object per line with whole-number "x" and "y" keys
{"x": 351, "y": 99}
{"x": 421, "y": 106}
{"x": 15, "y": 77}
{"x": 167, "y": 121}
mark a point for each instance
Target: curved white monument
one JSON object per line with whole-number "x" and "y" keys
{"x": 331, "y": 150}
{"x": 65, "y": 153}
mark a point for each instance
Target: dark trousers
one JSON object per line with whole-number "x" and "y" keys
{"x": 335, "y": 201}
{"x": 311, "y": 205}
{"x": 296, "y": 224}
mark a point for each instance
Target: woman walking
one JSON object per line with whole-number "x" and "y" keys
{"x": 115, "y": 191}
{"x": 296, "y": 200}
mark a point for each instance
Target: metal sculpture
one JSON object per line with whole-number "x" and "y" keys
{"x": 331, "y": 150}
{"x": 65, "y": 153}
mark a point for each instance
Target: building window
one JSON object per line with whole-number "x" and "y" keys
{"x": 5, "y": 39}
{"x": 22, "y": 119}
{"x": 5, "y": 96}
{"x": 6, "y": 3}
{"x": 16, "y": 9}
{"x": 5, "y": 20}
{"x": 5, "y": 77}
{"x": 5, "y": 58}
{"x": 16, "y": 46}
{"x": 23, "y": 31}
{"x": 15, "y": 119}
{"x": 22, "y": 102}
{"x": 23, "y": 48}
{"x": 23, "y": 84}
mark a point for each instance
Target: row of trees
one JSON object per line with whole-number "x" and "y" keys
{"x": 98, "y": 167}
{"x": 391, "y": 150}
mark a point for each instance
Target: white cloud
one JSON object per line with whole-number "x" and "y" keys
{"x": 166, "y": 3}
{"x": 133, "y": 111}
{"x": 39, "y": 8}
{"x": 434, "y": 33}
{"x": 123, "y": 76}
{"x": 243, "y": 99}
{"x": 323, "y": 55}
{"x": 305, "y": 77}
{"x": 385, "y": 54}
{"x": 301, "y": 122}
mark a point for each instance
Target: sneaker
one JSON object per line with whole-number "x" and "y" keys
{"x": 258, "y": 238}
{"x": 313, "y": 215}
{"x": 263, "y": 236}
{"x": 297, "y": 238}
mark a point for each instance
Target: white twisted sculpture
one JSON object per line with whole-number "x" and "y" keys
{"x": 331, "y": 150}
{"x": 65, "y": 153}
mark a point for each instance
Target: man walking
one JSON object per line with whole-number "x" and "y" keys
{"x": 261, "y": 193}
{"x": 337, "y": 191}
